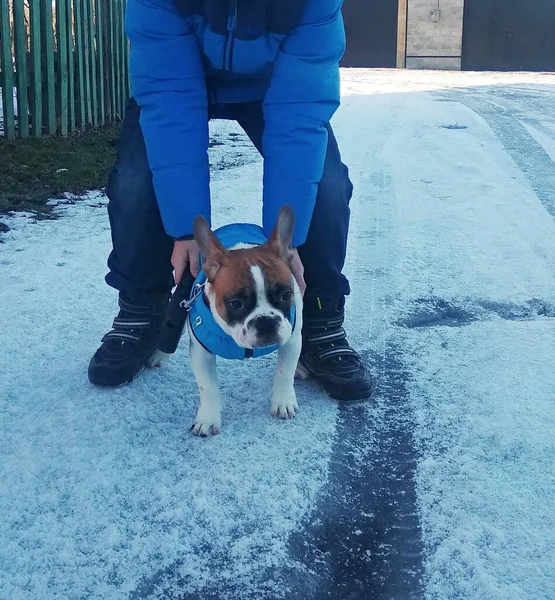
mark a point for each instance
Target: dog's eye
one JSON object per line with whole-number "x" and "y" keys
{"x": 236, "y": 305}
{"x": 286, "y": 296}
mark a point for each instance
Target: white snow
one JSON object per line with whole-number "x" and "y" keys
{"x": 105, "y": 494}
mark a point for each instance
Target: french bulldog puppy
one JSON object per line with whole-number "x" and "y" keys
{"x": 256, "y": 306}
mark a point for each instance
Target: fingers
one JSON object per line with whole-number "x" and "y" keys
{"x": 301, "y": 282}
{"x": 194, "y": 262}
{"x": 185, "y": 253}
{"x": 179, "y": 270}
{"x": 299, "y": 276}
{"x": 298, "y": 272}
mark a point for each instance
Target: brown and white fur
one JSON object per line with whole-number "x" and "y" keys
{"x": 259, "y": 278}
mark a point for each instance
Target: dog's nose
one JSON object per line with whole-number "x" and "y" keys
{"x": 266, "y": 325}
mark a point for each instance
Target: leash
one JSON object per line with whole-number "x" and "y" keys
{"x": 177, "y": 313}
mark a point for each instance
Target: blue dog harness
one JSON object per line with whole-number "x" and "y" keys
{"x": 203, "y": 325}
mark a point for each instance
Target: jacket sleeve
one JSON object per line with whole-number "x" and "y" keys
{"x": 302, "y": 97}
{"x": 167, "y": 80}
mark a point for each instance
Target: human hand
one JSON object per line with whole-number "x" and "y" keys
{"x": 185, "y": 253}
{"x": 297, "y": 270}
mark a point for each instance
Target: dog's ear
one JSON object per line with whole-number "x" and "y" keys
{"x": 210, "y": 247}
{"x": 282, "y": 235}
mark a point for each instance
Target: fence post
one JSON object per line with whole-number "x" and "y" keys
{"x": 20, "y": 45}
{"x": 123, "y": 67}
{"x": 36, "y": 104}
{"x": 62, "y": 35}
{"x": 48, "y": 61}
{"x": 71, "y": 67}
{"x": 127, "y": 71}
{"x": 110, "y": 32}
{"x": 6, "y": 71}
{"x": 48, "y": 56}
{"x": 94, "y": 98}
{"x": 115, "y": 33}
{"x": 87, "y": 51}
{"x": 99, "y": 14}
{"x": 80, "y": 64}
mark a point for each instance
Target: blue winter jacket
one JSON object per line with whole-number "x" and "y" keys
{"x": 187, "y": 54}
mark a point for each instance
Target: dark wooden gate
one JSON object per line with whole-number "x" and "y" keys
{"x": 371, "y": 27}
{"x": 509, "y": 35}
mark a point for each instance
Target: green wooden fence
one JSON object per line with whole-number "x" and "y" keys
{"x": 63, "y": 65}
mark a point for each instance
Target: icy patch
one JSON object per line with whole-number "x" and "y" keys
{"x": 434, "y": 312}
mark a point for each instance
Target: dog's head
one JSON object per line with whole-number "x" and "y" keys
{"x": 251, "y": 290}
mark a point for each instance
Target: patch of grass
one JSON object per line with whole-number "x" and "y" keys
{"x": 34, "y": 170}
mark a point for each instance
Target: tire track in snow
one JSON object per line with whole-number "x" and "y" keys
{"x": 364, "y": 539}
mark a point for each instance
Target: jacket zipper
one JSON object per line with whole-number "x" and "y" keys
{"x": 231, "y": 25}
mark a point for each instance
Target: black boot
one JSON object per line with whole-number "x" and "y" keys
{"x": 126, "y": 348}
{"x": 327, "y": 355}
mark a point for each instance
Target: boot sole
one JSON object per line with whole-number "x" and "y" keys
{"x": 156, "y": 359}
{"x": 113, "y": 382}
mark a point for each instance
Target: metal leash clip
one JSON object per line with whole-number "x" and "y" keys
{"x": 187, "y": 304}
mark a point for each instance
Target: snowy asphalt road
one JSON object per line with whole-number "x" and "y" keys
{"x": 441, "y": 488}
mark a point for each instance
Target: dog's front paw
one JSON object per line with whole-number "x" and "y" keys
{"x": 208, "y": 422}
{"x": 284, "y": 405}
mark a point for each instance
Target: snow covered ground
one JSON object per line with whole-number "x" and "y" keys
{"x": 442, "y": 487}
